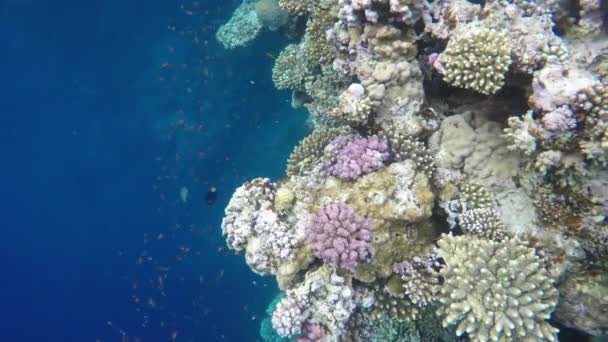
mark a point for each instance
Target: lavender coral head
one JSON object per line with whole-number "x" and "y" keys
{"x": 354, "y": 156}
{"x": 339, "y": 236}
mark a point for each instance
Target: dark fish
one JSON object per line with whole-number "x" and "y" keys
{"x": 211, "y": 196}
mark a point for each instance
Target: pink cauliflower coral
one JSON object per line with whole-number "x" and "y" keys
{"x": 339, "y": 236}
{"x": 356, "y": 156}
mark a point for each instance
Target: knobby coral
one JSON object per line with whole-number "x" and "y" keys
{"x": 339, "y": 236}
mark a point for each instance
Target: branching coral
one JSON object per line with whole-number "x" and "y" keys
{"x": 349, "y": 157}
{"x": 403, "y": 146}
{"x": 310, "y": 150}
{"x": 483, "y": 222}
{"x": 477, "y": 61}
{"x": 495, "y": 291}
{"x": 420, "y": 280}
{"x": 290, "y": 69}
{"x": 339, "y": 236}
{"x": 475, "y": 195}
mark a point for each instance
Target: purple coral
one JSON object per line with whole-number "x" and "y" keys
{"x": 559, "y": 120}
{"x": 339, "y": 236}
{"x": 356, "y": 156}
{"x": 313, "y": 332}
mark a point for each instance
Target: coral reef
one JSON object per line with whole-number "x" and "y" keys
{"x": 485, "y": 121}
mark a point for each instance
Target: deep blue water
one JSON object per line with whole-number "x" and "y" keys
{"x": 108, "y": 109}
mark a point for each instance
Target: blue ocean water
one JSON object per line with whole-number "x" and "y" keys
{"x": 110, "y": 110}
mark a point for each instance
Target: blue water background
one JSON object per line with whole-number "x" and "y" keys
{"x": 108, "y": 108}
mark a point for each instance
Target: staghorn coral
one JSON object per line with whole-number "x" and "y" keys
{"x": 339, "y": 236}
{"x": 324, "y": 90}
{"x": 477, "y": 60}
{"x": 497, "y": 291}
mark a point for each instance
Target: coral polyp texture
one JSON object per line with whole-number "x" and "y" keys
{"x": 453, "y": 178}
{"x": 351, "y": 157}
{"x": 478, "y": 60}
{"x": 339, "y": 236}
{"x": 496, "y": 291}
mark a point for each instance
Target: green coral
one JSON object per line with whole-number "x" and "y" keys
{"x": 474, "y": 195}
{"x": 477, "y": 60}
{"x": 290, "y": 69}
{"x": 495, "y": 291}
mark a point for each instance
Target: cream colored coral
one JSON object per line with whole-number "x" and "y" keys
{"x": 477, "y": 60}
{"x": 283, "y": 199}
{"x": 495, "y": 291}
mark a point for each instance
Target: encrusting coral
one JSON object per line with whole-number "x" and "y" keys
{"x": 485, "y": 120}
